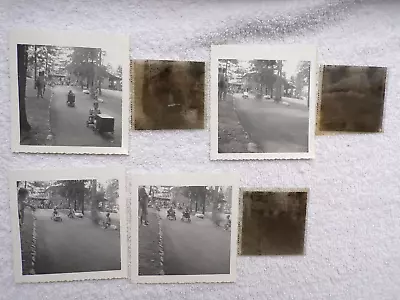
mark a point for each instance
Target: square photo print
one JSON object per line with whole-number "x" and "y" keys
{"x": 351, "y": 99}
{"x": 185, "y": 229}
{"x": 69, "y": 92}
{"x": 68, "y": 225}
{"x": 263, "y": 102}
{"x": 167, "y": 94}
{"x": 272, "y": 222}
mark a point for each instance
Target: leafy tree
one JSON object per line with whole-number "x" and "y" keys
{"x": 266, "y": 76}
{"x": 95, "y": 202}
{"x": 302, "y": 77}
{"x": 85, "y": 64}
{"x": 74, "y": 191}
{"x": 119, "y": 71}
{"x": 112, "y": 190}
{"x": 22, "y": 61}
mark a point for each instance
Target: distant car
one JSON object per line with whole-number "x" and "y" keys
{"x": 79, "y": 215}
{"x": 201, "y": 216}
{"x": 267, "y": 97}
{"x": 86, "y": 92}
{"x": 245, "y": 95}
{"x": 115, "y": 210}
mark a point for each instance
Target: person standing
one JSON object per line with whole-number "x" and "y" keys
{"x": 40, "y": 84}
{"x": 221, "y": 88}
{"x": 22, "y": 204}
{"x": 143, "y": 203}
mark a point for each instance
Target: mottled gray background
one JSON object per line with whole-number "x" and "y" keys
{"x": 353, "y": 217}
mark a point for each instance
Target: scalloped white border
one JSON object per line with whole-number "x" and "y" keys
{"x": 67, "y": 174}
{"x": 249, "y": 52}
{"x": 184, "y": 179}
{"x": 68, "y": 39}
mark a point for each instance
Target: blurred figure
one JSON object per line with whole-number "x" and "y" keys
{"x": 22, "y": 204}
{"x": 40, "y": 84}
{"x": 143, "y": 203}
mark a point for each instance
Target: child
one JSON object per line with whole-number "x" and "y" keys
{"x": 93, "y": 112}
{"x": 55, "y": 212}
{"x": 108, "y": 220}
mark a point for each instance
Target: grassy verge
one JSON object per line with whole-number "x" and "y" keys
{"x": 149, "y": 256}
{"x": 37, "y": 110}
{"x": 26, "y": 234}
{"x": 231, "y": 136}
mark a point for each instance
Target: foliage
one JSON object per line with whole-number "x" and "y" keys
{"x": 303, "y": 77}
{"x": 119, "y": 71}
{"x": 42, "y": 58}
{"x": 86, "y": 63}
{"x": 112, "y": 190}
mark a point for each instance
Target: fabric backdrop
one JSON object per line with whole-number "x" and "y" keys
{"x": 353, "y": 226}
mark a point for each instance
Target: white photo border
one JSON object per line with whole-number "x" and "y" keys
{"x": 68, "y": 174}
{"x": 266, "y": 52}
{"x": 68, "y": 39}
{"x": 183, "y": 179}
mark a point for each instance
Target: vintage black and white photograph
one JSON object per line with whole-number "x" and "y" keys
{"x": 186, "y": 232}
{"x": 263, "y": 102}
{"x": 352, "y": 99}
{"x": 272, "y": 222}
{"x": 69, "y": 93}
{"x": 68, "y": 229}
{"x": 168, "y": 94}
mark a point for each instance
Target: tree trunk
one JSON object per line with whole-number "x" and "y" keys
{"x": 99, "y": 67}
{"x": 47, "y": 61}
{"x": 22, "y": 67}
{"x": 215, "y": 195}
{"x": 204, "y": 204}
{"x": 35, "y": 63}
{"x": 94, "y": 206}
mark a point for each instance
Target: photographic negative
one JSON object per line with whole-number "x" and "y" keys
{"x": 273, "y": 222}
{"x": 263, "y": 102}
{"x": 69, "y": 225}
{"x": 186, "y": 228}
{"x": 168, "y": 94}
{"x": 69, "y": 92}
{"x": 351, "y": 99}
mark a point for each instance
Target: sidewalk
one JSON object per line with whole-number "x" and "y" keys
{"x": 295, "y": 101}
{"x": 231, "y": 136}
{"x": 149, "y": 256}
{"x": 38, "y": 113}
{"x": 26, "y": 235}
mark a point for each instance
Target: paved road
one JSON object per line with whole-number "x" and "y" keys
{"x": 74, "y": 245}
{"x": 274, "y": 127}
{"x": 68, "y": 124}
{"x": 194, "y": 248}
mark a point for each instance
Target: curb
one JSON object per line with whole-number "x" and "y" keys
{"x": 160, "y": 245}
{"x": 33, "y": 247}
{"x": 50, "y": 136}
{"x": 251, "y": 146}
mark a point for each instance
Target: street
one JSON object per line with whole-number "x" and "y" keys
{"x": 74, "y": 245}
{"x": 68, "y": 124}
{"x": 274, "y": 127}
{"x": 195, "y": 248}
